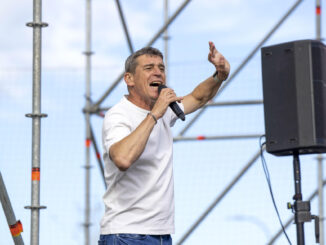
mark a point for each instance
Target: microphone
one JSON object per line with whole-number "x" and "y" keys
{"x": 173, "y": 105}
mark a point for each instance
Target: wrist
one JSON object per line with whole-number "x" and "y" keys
{"x": 215, "y": 77}
{"x": 152, "y": 116}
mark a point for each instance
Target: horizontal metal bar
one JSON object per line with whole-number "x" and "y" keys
{"x": 217, "y": 137}
{"x": 225, "y": 103}
{"x": 240, "y": 102}
{"x": 104, "y": 108}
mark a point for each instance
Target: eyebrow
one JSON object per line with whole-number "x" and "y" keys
{"x": 152, "y": 64}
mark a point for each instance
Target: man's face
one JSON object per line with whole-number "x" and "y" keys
{"x": 149, "y": 74}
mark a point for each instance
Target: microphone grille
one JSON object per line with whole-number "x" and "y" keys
{"x": 160, "y": 87}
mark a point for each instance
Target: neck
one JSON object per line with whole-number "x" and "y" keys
{"x": 147, "y": 105}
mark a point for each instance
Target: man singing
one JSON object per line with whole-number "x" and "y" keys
{"x": 137, "y": 141}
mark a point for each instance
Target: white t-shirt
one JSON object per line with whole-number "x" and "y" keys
{"x": 141, "y": 199}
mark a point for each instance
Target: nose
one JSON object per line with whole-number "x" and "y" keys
{"x": 158, "y": 71}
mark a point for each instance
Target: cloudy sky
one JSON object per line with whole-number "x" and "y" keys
{"x": 202, "y": 169}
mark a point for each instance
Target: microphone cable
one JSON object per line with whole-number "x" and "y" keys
{"x": 268, "y": 179}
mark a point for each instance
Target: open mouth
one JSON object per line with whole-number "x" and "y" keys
{"x": 155, "y": 84}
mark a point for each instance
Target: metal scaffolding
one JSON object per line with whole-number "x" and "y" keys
{"x": 88, "y": 53}
{"x": 16, "y": 228}
{"x": 36, "y": 116}
{"x": 166, "y": 40}
{"x": 243, "y": 63}
{"x": 320, "y": 157}
{"x": 219, "y": 198}
{"x": 94, "y": 108}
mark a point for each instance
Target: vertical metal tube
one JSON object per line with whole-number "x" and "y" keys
{"x": 169, "y": 21}
{"x": 88, "y": 54}
{"x": 36, "y": 121}
{"x": 166, "y": 39}
{"x": 318, "y": 20}
{"x": 36, "y": 116}
{"x": 321, "y": 199}
{"x": 320, "y": 157}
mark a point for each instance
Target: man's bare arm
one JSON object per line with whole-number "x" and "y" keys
{"x": 206, "y": 90}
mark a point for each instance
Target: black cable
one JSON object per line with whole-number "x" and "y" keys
{"x": 268, "y": 179}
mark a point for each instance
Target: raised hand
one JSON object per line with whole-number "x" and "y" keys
{"x": 218, "y": 60}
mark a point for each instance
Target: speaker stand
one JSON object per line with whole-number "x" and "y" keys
{"x": 301, "y": 209}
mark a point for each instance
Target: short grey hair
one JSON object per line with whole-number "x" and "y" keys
{"x": 131, "y": 62}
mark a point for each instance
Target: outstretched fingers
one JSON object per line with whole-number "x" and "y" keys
{"x": 212, "y": 51}
{"x": 218, "y": 60}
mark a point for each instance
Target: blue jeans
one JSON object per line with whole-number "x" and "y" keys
{"x": 134, "y": 239}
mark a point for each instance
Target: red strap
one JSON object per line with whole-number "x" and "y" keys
{"x": 201, "y": 137}
{"x": 88, "y": 142}
{"x": 98, "y": 155}
{"x": 36, "y": 174}
{"x": 16, "y": 229}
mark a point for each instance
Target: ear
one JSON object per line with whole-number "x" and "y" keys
{"x": 129, "y": 79}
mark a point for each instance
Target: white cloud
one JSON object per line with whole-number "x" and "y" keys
{"x": 13, "y": 89}
{"x": 234, "y": 22}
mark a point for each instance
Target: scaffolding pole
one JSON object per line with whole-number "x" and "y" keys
{"x": 166, "y": 39}
{"x": 220, "y": 197}
{"x": 156, "y": 36}
{"x": 321, "y": 184}
{"x": 216, "y": 137}
{"x": 36, "y": 116}
{"x": 318, "y": 20}
{"x": 232, "y": 103}
{"x": 124, "y": 26}
{"x": 98, "y": 156}
{"x": 15, "y": 226}
{"x": 320, "y": 157}
{"x": 88, "y": 53}
{"x": 209, "y": 104}
{"x": 243, "y": 63}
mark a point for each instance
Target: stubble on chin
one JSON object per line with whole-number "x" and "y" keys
{"x": 152, "y": 102}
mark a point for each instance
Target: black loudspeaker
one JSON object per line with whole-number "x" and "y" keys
{"x": 294, "y": 90}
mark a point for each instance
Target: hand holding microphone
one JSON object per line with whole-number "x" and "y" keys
{"x": 173, "y": 105}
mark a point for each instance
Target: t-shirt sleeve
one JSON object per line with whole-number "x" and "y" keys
{"x": 173, "y": 116}
{"x": 115, "y": 127}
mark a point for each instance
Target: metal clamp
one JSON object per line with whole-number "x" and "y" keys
{"x": 37, "y": 24}
{"x": 301, "y": 210}
{"x": 87, "y": 167}
{"x": 93, "y": 109}
{"x": 34, "y": 115}
{"x": 35, "y": 207}
{"x": 88, "y": 53}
